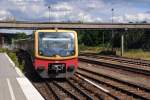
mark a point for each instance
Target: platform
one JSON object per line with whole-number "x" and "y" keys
{"x": 13, "y": 84}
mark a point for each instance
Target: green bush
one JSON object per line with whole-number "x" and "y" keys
{"x": 13, "y": 57}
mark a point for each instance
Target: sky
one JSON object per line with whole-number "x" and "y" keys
{"x": 76, "y": 10}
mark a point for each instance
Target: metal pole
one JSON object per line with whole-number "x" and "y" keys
{"x": 122, "y": 44}
{"x": 112, "y": 29}
{"x": 49, "y": 12}
{"x": 112, "y": 15}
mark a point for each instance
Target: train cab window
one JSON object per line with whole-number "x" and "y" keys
{"x": 56, "y": 43}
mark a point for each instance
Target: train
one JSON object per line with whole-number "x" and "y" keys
{"x": 54, "y": 52}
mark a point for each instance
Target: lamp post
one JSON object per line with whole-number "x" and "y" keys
{"x": 112, "y": 34}
{"x": 112, "y": 14}
{"x": 49, "y": 7}
{"x": 122, "y": 41}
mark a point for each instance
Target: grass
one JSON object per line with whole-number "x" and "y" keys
{"x": 90, "y": 49}
{"x": 13, "y": 57}
{"x": 138, "y": 54}
{"x": 132, "y": 53}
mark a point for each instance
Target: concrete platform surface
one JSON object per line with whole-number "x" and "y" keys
{"x": 13, "y": 84}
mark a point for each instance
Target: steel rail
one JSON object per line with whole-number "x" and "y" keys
{"x": 112, "y": 85}
{"x": 118, "y": 66}
{"x": 81, "y": 91}
{"x": 68, "y": 92}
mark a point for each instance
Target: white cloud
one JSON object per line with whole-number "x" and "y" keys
{"x": 5, "y": 15}
{"x": 64, "y": 6}
{"x": 119, "y": 19}
{"x": 139, "y": 17}
{"x": 58, "y": 10}
{"x": 23, "y": 9}
{"x": 74, "y": 11}
{"x": 143, "y": 16}
{"x": 130, "y": 17}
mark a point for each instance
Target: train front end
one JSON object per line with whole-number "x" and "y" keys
{"x": 56, "y": 53}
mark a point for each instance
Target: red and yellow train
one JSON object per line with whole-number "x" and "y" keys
{"x": 54, "y": 52}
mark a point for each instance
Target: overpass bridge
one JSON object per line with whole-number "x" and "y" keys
{"x": 46, "y": 25}
{"x": 51, "y": 25}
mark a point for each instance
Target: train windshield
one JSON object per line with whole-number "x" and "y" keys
{"x": 56, "y": 43}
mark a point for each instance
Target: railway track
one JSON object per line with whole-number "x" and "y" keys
{"x": 92, "y": 88}
{"x": 60, "y": 89}
{"x": 120, "y": 89}
{"x": 73, "y": 89}
{"x": 77, "y": 88}
{"x": 132, "y": 68}
{"x": 69, "y": 91}
{"x": 119, "y": 59}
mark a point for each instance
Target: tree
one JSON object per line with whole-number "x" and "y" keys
{"x": 21, "y": 35}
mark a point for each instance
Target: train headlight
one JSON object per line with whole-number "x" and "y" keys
{"x": 70, "y": 68}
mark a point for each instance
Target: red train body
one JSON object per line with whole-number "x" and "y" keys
{"x": 71, "y": 66}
